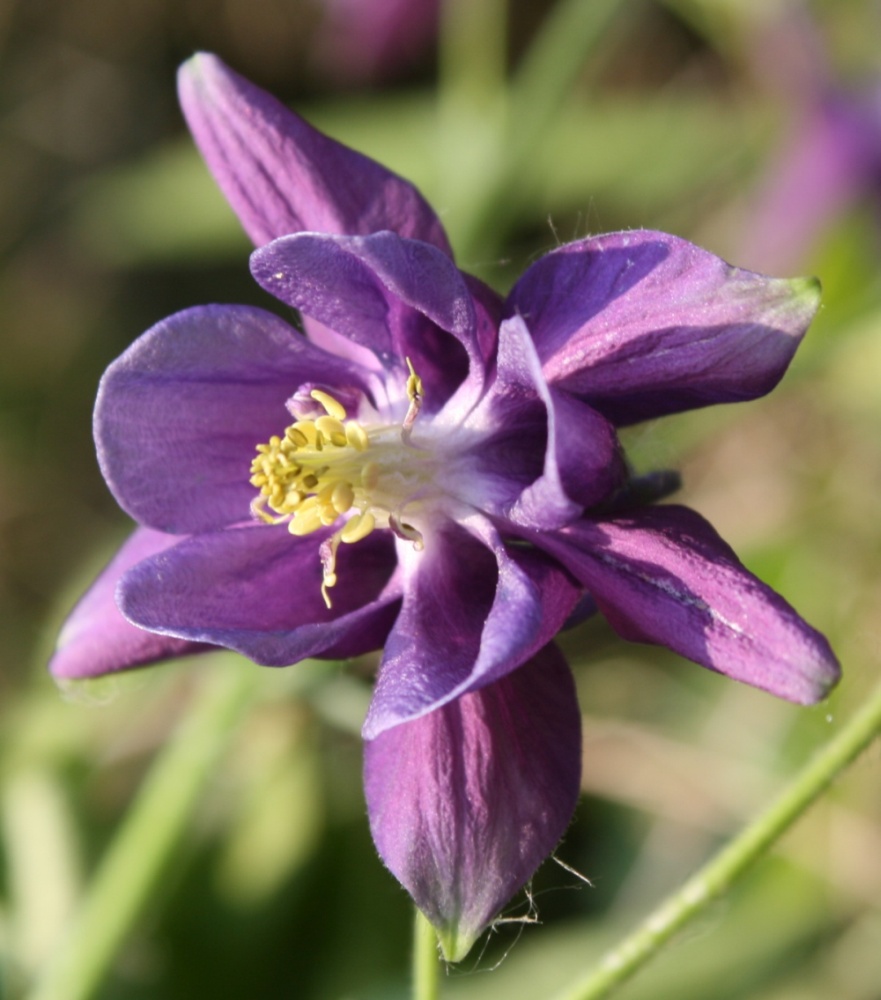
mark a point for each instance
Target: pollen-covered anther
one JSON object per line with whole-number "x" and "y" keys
{"x": 414, "y": 394}
{"x": 333, "y": 407}
{"x": 358, "y": 527}
{"x": 330, "y": 468}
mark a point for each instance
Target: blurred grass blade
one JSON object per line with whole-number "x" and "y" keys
{"x": 154, "y": 825}
{"x": 540, "y": 86}
{"x": 723, "y": 870}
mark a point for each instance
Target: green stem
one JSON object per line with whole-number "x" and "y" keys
{"x": 135, "y": 861}
{"x": 719, "y": 874}
{"x": 426, "y": 961}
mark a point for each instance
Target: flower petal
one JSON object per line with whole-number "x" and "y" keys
{"x": 180, "y": 413}
{"x": 640, "y": 324}
{"x": 569, "y": 451}
{"x": 664, "y": 576}
{"x": 472, "y": 612}
{"x": 282, "y": 176}
{"x": 399, "y": 298}
{"x": 97, "y": 640}
{"x": 467, "y": 801}
{"x": 257, "y": 590}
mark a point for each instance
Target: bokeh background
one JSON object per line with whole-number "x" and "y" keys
{"x": 753, "y": 128}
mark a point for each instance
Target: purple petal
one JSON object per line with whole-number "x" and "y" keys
{"x": 467, "y": 801}
{"x": 472, "y": 612}
{"x": 180, "y": 413}
{"x": 96, "y": 639}
{"x": 664, "y": 576}
{"x": 257, "y": 590}
{"x": 399, "y": 298}
{"x": 281, "y": 175}
{"x": 552, "y": 455}
{"x": 490, "y": 311}
{"x": 641, "y": 324}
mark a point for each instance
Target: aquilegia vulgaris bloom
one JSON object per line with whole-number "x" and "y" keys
{"x": 434, "y": 471}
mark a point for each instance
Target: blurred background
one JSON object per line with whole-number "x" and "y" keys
{"x": 750, "y": 127}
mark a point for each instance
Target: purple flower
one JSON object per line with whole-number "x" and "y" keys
{"x": 435, "y": 471}
{"x": 830, "y": 159}
{"x": 361, "y": 40}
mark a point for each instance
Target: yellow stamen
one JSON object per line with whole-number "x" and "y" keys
{"x": 414, "y": 394}
{"x": 358, "y": 527}
{"x": 356, "y": 436}
{"x": 414, "y": 384}
{"x": 329, "y": 468}
{"x": 333, "y": 407}
{"x": 332, "y": 430}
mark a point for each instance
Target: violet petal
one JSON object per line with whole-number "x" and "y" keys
{"x": 467, "y": 801}
{"x": 180, "y": 413}
{"x": 664, "y": 576}
{"x": 96, "y": 639}
{"x": 472, "y": 612}
{"x": 640, "y": 324}
{"x": 257, "y": 590}
{"x": 582, "y": 462}
{"x": 399, "y": 298}
{"x": 282, "y": 176}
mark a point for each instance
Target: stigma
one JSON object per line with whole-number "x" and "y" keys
{"x": 331, "y": 470}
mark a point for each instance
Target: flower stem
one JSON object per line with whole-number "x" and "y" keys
{"x": 135, "y": 861}
{"x": 719, "y": 874}
{"x": 426, "y": 962}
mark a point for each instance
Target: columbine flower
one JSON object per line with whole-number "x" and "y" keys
{"x": 831, "y": 157}
{"x": 434, "y": 471}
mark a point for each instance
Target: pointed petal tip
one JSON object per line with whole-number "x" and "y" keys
{"x": 201, "y": 64}
{"x": 802, "y": 304}
{"x": 456, "y": 942}
{"x": 194, "y": 72}
{"x": 280, "y": 175}
{"x": 824, "y": 675}
{"x": 466, "y": 802}
{"x": 809, "y": 288}
{"x": 663, "y": 575}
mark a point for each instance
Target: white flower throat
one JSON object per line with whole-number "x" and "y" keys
{"x": 329, "y": 467}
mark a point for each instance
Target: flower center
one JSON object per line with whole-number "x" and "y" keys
{"x": 330, "y": 467}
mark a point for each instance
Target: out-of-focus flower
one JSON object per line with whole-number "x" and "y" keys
{"x": 363, "y": 40}
{"x": 830, "y": 159}
{"x": 436, "y": 474}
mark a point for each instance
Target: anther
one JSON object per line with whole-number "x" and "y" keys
{"x": 356, "y": 436}
{"x": 414, "y": 394}
{"x": 332, "y": 430}
{"x": 358, "y": 527}
{"x": 333, "y": 407}
{"x": 342, "y": 497}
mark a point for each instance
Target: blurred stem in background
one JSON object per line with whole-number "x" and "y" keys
{"x": 506, "y": 122}
{"x": 722, "y": 871}
{"x": 130, "y": 872}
